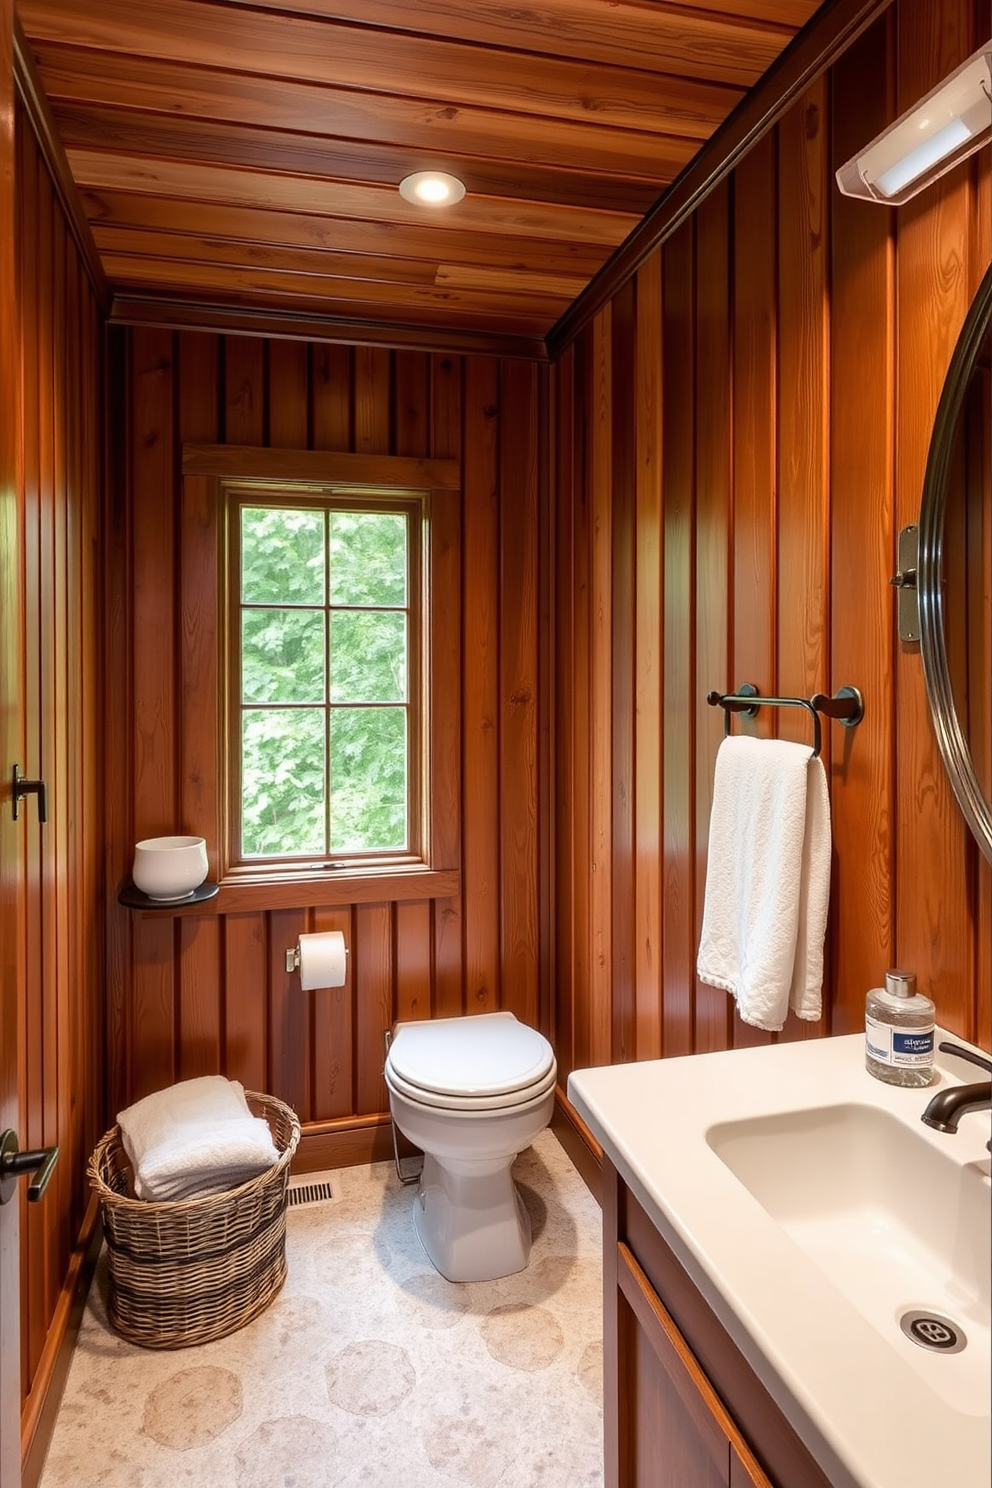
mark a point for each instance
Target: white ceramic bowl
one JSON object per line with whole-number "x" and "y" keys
{"x": 169, "y": 867}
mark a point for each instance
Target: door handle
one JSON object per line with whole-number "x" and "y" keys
{"x": 22, "y": 787}
{"x": 14, "y": 1163}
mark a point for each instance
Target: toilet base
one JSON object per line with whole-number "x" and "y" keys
{"x": 471, "y": 1220}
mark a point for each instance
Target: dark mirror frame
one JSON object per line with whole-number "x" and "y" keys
{"x": 947, "y": 725}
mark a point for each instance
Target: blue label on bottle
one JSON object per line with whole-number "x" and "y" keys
{"x": 911, "y": 1048}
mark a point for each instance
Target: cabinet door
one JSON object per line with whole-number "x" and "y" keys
{"x": 669, "y": 1432}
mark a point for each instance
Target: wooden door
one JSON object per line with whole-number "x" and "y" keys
{"x": 11, "y": 732}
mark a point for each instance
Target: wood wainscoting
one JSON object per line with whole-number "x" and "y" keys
{"x": 200, "y": 993}
{"x": 740, "y": 434}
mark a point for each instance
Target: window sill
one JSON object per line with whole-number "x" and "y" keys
{"x": 315, "y": 891}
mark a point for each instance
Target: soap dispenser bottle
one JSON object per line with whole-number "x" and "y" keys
{"x": 899, "y": 1026}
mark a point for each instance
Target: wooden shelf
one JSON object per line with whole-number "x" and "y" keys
{"x": 133, "y": 898}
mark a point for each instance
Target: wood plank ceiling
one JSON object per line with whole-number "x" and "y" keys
{"x": 249, "y": 154}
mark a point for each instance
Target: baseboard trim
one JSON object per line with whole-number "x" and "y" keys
{"x": 344, "y": 1144}
{"x": 41, "y": 1408}
{"x": 579, "y": 1142}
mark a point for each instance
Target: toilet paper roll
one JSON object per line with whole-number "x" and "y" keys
{"x": 322, "y": 960}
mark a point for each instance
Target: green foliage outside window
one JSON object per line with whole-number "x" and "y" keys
{"x": 324, "y": 641}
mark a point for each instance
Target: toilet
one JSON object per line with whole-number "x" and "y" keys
{"x": 471, "y": 1093}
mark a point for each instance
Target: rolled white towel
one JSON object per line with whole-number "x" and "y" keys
{"x": 194, "y": 1138}
{"x": 199, "y": 1185}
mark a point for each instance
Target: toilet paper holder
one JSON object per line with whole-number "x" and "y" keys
{"x": 293, "y": 957}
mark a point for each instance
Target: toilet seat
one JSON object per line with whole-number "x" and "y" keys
{"x": 485, "y": 1061}
{"x": 483, "y": 1104}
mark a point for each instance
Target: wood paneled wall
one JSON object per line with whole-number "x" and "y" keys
{"x": 739, "y": 436}
{"x": 188, "y": 996}
{"x": 61, "y": 1013}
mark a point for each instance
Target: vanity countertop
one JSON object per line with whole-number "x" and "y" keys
{"x": 874, "y": 1409}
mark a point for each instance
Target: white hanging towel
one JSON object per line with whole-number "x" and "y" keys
{"x": 767, "y": 880}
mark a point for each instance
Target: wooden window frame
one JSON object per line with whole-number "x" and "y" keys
{"x": 414, "y": 507}
{"x": 210, "y": 473}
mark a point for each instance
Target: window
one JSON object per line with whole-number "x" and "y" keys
{"x": 325, "y": 713}
{"x": 320, "y": 674}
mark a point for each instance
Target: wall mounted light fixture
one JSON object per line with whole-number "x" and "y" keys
{"x": 932, "y": 137}
{"x": 432, "y": 189}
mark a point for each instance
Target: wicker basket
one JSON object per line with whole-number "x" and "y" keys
{"x": 185, "y": 1272}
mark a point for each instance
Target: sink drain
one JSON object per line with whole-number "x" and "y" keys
{"x": 933, "y": 1331}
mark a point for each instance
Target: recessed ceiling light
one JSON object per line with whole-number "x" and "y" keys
{"x": 431, "y": 189}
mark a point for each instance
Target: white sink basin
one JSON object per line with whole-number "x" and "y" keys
{"x": 893, "y": 1221}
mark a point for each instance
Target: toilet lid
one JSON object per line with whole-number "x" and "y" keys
{"x": 487, "y": 1054}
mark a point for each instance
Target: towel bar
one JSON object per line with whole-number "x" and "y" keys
{"x": 846, "y": 707}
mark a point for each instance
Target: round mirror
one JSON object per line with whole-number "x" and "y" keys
{"x": 954, "y": 575}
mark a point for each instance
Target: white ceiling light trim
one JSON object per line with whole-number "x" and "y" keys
{"x": 940, "y": 131}
{"x": 432, "y": 189}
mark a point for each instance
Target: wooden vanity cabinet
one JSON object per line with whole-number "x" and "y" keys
{"x": 683, "y": 1409}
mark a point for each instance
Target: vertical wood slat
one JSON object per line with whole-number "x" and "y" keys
{"x": 563, "y": 801}
{"x": 290, "y": 1059}
{"x": 200, "y": 944}
{"x": 678, "y": 712}
{"x": 411, "y": 403}
{"x": 155, "y": 786}
{"x": 288, "y": 401}
{"x": 518, "y": 691}
{"x": 244, "y": 390}
{"x": 579, "y": 723}
{"x": 714, "y": 554}
{"x": 803, "y": 578}
{"x": 861, "y": 454}
{"x": 480, "y": 699}
{"x": 411, "y": 418}
{"x": 90, "y": 897}
{"x": 755, "y": 493}
{"x": 153, "y": 583}
{"x": 245, "y": 994}
{"x": 931, "y": 272}
{"x": 546, "y": 732}
{"x": 330, "y": 394}
{"x": 600, "y": 687}
{"x": 444, "y": 441}
{"x": 118, "y": 732}
{"x": 412, "y": 953}
{"x": 371, "y": 409}
{"x": 333, "y": 1020}
{"x": 71, "y": 678}
{"x": 373, "y": 972}
{"x": 622, "y": 544}
{"x": 649, "y": 663}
